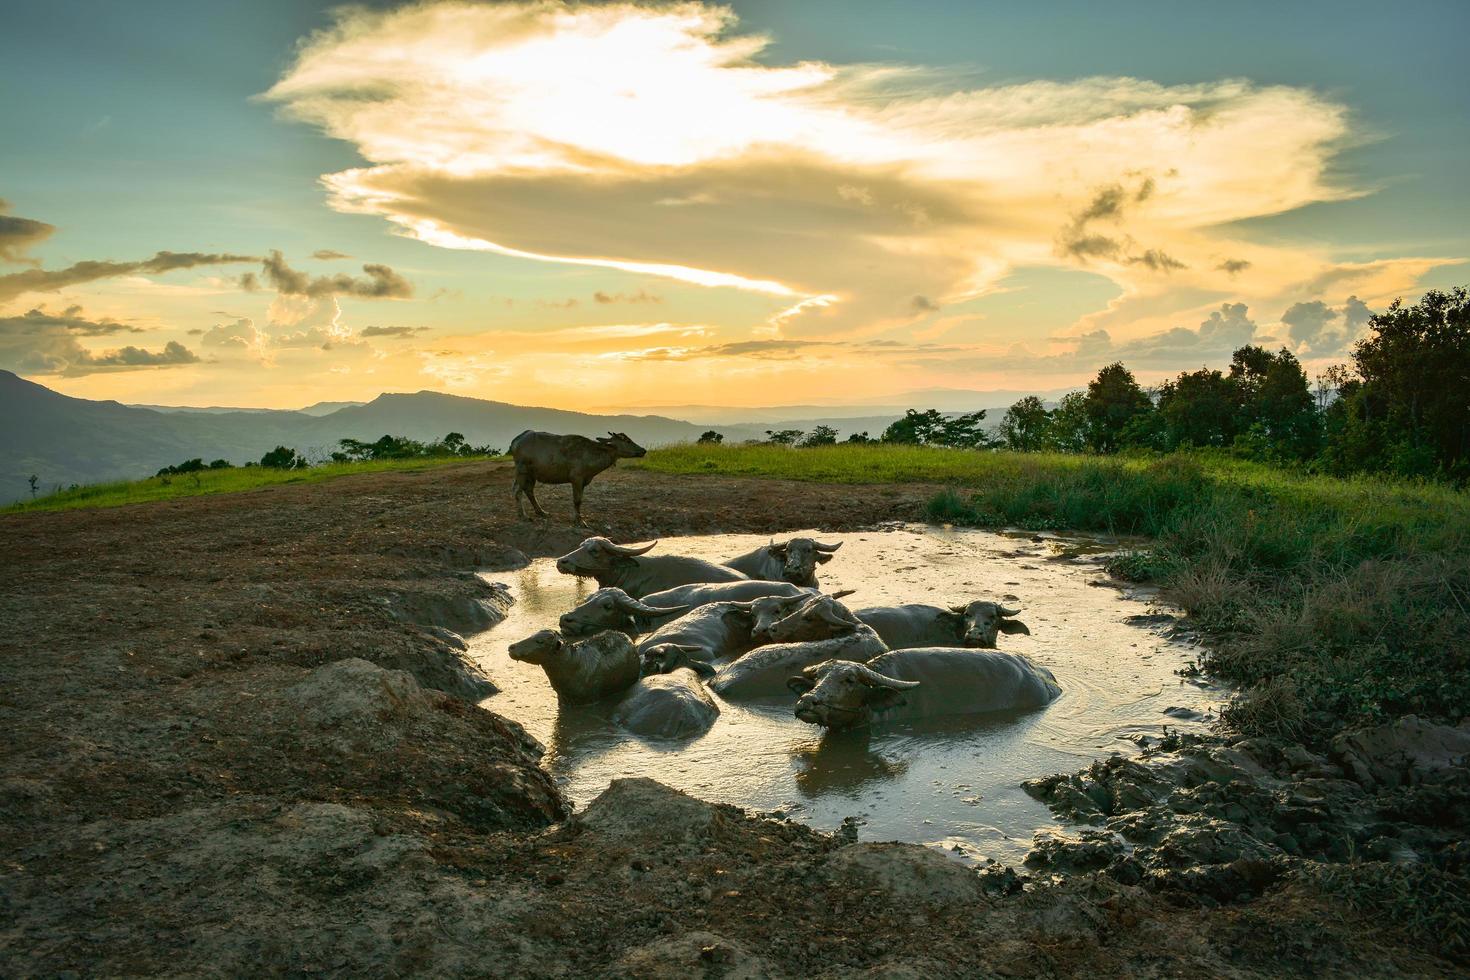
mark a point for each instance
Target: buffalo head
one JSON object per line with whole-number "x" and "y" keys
{"x": 843, "y": 694}
{"x": 665, "y": 658}
{"x": 800, "y": 557}
{"x": 598, "y": 555}
{"x": 619, "y": 443}
{"x": 611, "y": 609}
{"x": 818, "y": 618}
{"x": 980, "y": 623}
{"x": 538, "y": 648}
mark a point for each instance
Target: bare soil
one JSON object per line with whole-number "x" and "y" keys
{"x": 240, "y": 737}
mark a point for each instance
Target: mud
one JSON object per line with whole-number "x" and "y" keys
{"x": 228, "y": 752}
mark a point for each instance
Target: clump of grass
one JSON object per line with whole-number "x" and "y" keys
{"x": 1428, "y": 904}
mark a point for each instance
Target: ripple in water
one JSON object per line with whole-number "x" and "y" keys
{"x": 953, "y": 782}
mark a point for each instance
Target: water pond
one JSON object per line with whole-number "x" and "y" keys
{"x": 953, "y": 783}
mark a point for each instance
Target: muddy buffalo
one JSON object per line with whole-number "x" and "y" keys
{"x": 581, "y": 671}
{"x": 632, "y": 571}
{"x": 795, "y": 561}
{"x": 977, "y": 624}
{"x": 906, "y": 685}
{"x": 667, "y": 705}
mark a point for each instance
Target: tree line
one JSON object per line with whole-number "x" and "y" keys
{"x": 1400, "y": 406}
{"x": 352, "y": 451}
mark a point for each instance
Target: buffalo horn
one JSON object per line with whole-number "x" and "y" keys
{"x": 872, "y": 678}
{"x": 631, "y": 552}
{"x": 828, "y": 548}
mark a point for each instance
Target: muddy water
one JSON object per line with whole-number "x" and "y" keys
{"x": 953, "y": 783}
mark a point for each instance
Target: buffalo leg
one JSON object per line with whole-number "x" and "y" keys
{"x": 531, "y": 496}
{"x": 516, "y": 489}
{"x": 577, "y": 487}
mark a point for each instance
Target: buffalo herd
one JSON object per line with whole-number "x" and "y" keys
{"x": 662, "y": 631}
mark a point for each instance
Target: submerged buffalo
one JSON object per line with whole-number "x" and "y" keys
{"x": 795, "y": 561}
{"x": 667, "y": 705}
{"x": 977, "y": 624}
{"x": 542, "y": 457}
{"x": 581, "y": 671}
{"x": 628, "y": 568}
{"x": 905, "y": 685}
{"x": 764, "y": 671}
{"x": 613, "y": 609}
{"x": 717, "y": 630}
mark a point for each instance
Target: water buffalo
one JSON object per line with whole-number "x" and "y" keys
{"x": 614, "y": 609}
{"x": 764, "y": 671}
{"x": 771, "y": 609}
{"x": 795, "y": 561}
{"x": 905, "y": 685}
{"x": 699, "y": 594}
{"x": 665, "y": 658}
{"x": 667, "y": 705}
{"x": 717, "y": 629}
{"x": 615, "y": 564}
{"x": 917, "y": 625}
{"x": 542, "y": 457}
{"x": 818, "y": 618}
{"x": 582, "y": 671}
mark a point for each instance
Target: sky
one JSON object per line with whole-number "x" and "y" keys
{"x": 766, "y": 203}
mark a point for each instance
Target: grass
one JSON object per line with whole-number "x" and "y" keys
{"x": 1336, "y": 602}
{"x": 234, "y": 480}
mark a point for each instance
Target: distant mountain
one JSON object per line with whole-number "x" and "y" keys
{"x": 893, "y": 406}
{"x": 64, "y": 440}
{"x": 320, "y": 408}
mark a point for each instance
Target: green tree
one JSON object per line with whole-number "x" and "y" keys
{"x": 1069, "y": 423}
{"x": 1199, "y": 408}
{"x": 710, "y": 438}
{"x": 822, "y": 435}
{"x": 1415, "y": 366}
{"x": 1026, "y": 427}
{"x": 284, "y": 458}
{"x": 860, "y": 438}
{"x": 932, "y": 427}
{"x": 784, "y": 437}
{"x": 1275, "y": 402}
{"x": 1113, "y": 400}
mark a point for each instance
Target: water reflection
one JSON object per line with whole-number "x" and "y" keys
{"x": 841, "y": 762}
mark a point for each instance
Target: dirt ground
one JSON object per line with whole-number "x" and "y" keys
{"x": 240, "y": 738}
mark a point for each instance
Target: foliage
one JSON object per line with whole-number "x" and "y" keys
{"x": 861, "y": 438}
{"x": 784, "y": 437}
{"x": 710, "y": 436}
{"x": 1113, "y": 399}
{"x": 932, "y": 427}
{"x": 401, "y": 447}
{"x": 284, "y": 458}
{"x": 822, "y": 435}
{"x": 1027, "y": 425}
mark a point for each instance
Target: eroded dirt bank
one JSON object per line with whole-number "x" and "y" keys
{"x": 238, "y": 740}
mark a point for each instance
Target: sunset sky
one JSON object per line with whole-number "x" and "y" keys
{"x": 587, "y": 206}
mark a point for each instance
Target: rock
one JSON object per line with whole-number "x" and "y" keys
{"x": 358, "y": 698}
{"x": 1184, "y": 714}
{"x": 1403, "y": 752}
{"x": 465, "y": 604}
{"x": 693, "y": 954}
{"x": 1091, "y": 850}
{"x": 908, "y": 873}
{"x": 640, "y": 809}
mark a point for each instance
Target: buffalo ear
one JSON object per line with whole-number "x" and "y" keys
{"x": 799, "y": 684}
{"x": 1014, "y": 626}
{"x": 823, "y": 557}
{"x": 701, "y": 668}
{"x": 879, "y": 698}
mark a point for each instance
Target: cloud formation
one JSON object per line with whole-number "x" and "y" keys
{"x": 381, "y": 282}
{"x": 400, "y": 332}
{"x": 844, "y": 192}
{"x": 18, "y": 234}
{"x": 50, "y": 280}
{"x": 38, "y": 342}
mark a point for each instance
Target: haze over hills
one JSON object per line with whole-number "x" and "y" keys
{"x": 65, "y": 440}
{"x": 852, "y": 410}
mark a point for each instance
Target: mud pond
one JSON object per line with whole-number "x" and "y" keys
{"x": 953, "y": 783}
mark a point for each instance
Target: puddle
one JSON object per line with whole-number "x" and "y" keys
{"x": 953, "y": 783}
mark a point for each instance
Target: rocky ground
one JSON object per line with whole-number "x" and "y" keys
{"x": 241, "y": 738}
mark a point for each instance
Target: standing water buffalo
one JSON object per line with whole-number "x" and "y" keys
{"x": 624, "y": 567}
{"x": 795, "y": 561}
{"x": 545, "y": 458}
{"x": 975, "y": 625}
{"x": 581, "y": 671}
{"x": 904, "y": 685}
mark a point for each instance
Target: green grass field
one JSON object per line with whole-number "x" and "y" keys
{"x": 235, "y": 480}
{"x": 1334, "y": 601}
